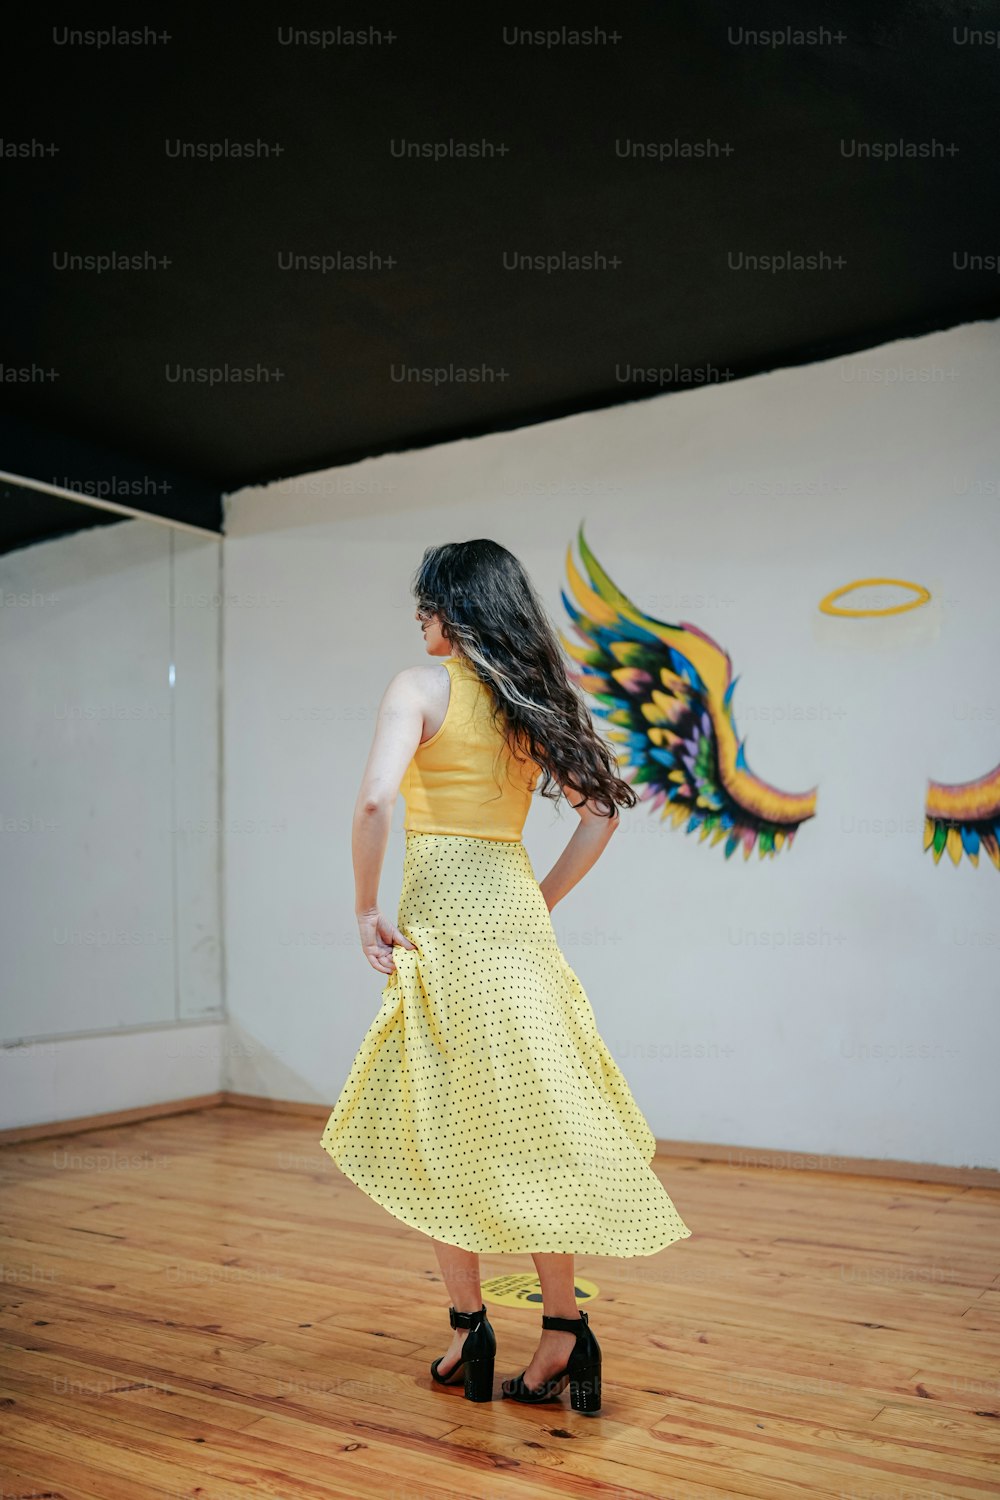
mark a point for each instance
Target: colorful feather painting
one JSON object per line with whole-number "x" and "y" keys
{"x": 666, "y": 693}
{"x": 963, "y": 818}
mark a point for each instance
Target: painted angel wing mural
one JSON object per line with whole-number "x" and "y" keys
{"x": 666, "y": 691}
{"x": 964, "y": 817}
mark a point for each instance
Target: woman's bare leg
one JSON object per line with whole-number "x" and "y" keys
{"x": 460, "y": 1269}
{"x": 557, "y": 1276}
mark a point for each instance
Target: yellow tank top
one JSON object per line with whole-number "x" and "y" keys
{"x": 450, "y": 786}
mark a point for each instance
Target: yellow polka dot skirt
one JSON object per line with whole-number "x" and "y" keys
{"x": 483, "y": 1107}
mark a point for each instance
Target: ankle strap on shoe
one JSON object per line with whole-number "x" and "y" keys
{"x": 566, "y": 1325}
{"x": 466, "y": 1319}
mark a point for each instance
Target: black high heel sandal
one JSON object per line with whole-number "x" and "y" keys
{"x": 478, "y": 1355}
{"x": 583, "y": 1371}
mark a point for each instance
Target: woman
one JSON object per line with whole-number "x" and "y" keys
{"x": 483, "y": 1107}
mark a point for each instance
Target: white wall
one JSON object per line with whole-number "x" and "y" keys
{"x": 840, "y": 999}
{"x": 110, "y": 923}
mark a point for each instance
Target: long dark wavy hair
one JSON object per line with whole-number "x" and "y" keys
{"x": 489, "y": 609}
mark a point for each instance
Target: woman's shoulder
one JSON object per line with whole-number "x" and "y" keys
{"x": 425, "y": 682}
{"x": 423, "y": 671}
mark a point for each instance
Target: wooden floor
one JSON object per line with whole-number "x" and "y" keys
{"x": 202, "y": 1305}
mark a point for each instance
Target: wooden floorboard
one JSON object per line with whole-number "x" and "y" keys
{"x": 200, "y": 1305}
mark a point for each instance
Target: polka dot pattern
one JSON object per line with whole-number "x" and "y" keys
{"x": 483, "y": 1107}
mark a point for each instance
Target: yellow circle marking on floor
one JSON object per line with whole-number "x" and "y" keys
{"x": 525, "y": 1290}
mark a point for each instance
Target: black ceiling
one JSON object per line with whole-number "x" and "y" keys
{"x": 761, "y": 144}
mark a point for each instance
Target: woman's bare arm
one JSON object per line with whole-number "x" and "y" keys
{"x": 398, "y": 728}
{"x": 583, "y": 850}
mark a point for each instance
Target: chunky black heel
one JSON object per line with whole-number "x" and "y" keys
{"x": 585, "y": 1388}
{"x": 475, "y": 1367}
{"x": 582, "y": 1372}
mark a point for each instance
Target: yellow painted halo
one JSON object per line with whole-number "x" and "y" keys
{"x": 827, "y": 604}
